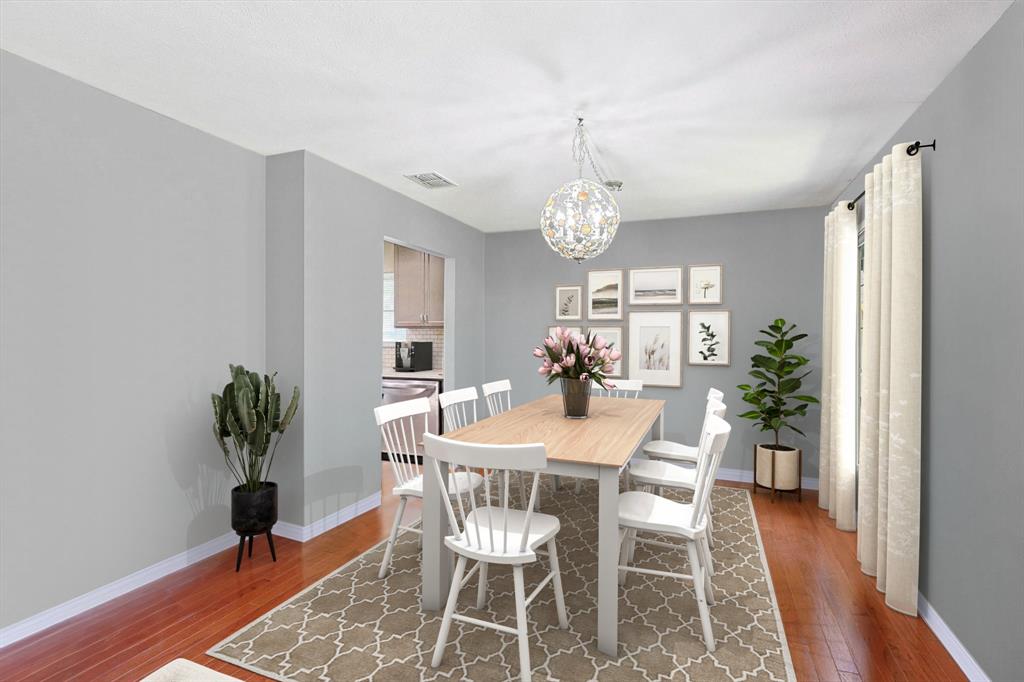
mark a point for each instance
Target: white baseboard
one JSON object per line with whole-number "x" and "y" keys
{"x": 51, "y": 616}
{"x": 293, "y": 531}
{"x": 747, "y": 476}
{"x": 953, "y": 645}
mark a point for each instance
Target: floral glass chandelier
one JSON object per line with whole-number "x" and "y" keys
{"x": 580, "y": 218}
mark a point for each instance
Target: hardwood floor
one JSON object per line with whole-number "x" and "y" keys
{"x": 837, "y": 624}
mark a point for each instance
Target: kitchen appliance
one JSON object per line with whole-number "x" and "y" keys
{"x": 399, "y": 390}
{"x": 417, "y": 356}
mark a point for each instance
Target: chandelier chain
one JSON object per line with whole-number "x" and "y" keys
{"x": 581, "y": 152}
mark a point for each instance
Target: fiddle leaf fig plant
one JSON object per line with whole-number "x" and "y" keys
{"x": 777, "y": 396}
{"x": 247, "y": 414}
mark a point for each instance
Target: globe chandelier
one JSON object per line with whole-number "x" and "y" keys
{"x": 580, "y": 218}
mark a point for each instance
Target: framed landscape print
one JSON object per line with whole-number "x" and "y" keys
{"x": 655, "y": 348}
{"x": 709, "y": 337}
{"x": 705, "y": 284}
{"x": 604, "y": 294}
{"x": 656, "y": 286}
{"x": 614, "y": 336}
{"x": 568, "y": 303}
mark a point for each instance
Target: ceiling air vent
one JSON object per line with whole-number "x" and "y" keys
{"x": 431, "y": 180}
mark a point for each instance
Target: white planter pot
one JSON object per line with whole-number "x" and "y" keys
{"x": 787, "y": 467}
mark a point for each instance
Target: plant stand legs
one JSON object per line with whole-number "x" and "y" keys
{"x": 252, "y": 539}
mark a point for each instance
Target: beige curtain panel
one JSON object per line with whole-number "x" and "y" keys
{"x": 837, "y": 462}
{"x": 889, "y": 470}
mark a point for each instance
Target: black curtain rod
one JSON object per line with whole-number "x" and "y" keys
{"x": 912, "y": 150}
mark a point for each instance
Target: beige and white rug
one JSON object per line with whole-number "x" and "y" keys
{"x": 353, "y": 626}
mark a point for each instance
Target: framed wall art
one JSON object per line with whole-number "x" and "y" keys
{"x": 614, "y": 336}
{"x": 604, "y": 294}
{"x": 569, "y": 302}
{"x": 656, "y": 286}
{"x": 709, "y": 337}
{"x": 655, "y": 348}
{"x": 704, "y": 282}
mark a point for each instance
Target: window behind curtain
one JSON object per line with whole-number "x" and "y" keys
{"x": 390, "y": 333}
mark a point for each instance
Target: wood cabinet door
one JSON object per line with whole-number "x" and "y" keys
{"x": 410, "y": 278}
{"x": 435, "y": 291}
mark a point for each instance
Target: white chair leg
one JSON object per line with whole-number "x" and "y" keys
{"x": 632, "y": 544}
{"x": 623, "y": 553}
{"x": 709, "y": 589}
{"x": 711, "y": 527}
{"x": 563, "y": 619}
{"x": 698, "y": 590}
{"x": 579, "y": 485}
{"x": 558, "y": 482}
{"x": 449, "y": 609}
{"x": 709, "y": 563}
{"x": 385, "y": 563}
{"x": 521, "y": 626}
{"x": 481, "y": 585}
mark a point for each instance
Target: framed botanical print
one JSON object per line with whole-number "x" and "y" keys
{"x": 656, "y": 286}
{"x": 604, "y": 294}
{"x": 613, "y": 335}
{"x": 655, "y": 348}
{"x": 568, "y": 303}
{"x": 709, "y": 337}
{"x": 704, "y": 283}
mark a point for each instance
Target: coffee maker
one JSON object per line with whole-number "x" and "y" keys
{"x": 415, "y": 356}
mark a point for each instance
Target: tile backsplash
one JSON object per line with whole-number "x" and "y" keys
{"x": 432, "y": 334}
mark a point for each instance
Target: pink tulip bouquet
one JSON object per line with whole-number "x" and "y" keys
{"x": 587, "y": 357}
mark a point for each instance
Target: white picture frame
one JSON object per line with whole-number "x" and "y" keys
{"x": 569, "y": 302}
{"x": 656, "y": 286}
{"x": 655, "y": 348}
{"x": 614, "y": 336}
{"x": 604, "y": 295}
{"x": 700, "y": 341}
{"x": 704, "y": 284}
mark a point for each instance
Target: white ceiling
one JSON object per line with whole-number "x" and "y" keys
{"x": 699, "y": 108}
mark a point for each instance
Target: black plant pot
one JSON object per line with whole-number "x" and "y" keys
{"x": 254, "y": 512}
{"x": 575, "y": 398}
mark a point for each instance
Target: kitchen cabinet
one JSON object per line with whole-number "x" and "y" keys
{"x": 419, "y": 289}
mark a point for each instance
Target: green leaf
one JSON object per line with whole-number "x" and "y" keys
{"x": 805, "y": 398}
{"x": 752, "y": 414}
{"x": 797, "y": 337}
{"x": 793, "y": 428}
{"x": 744, "y": 387}
{"x": 245, "y": 410}
{"x": 290, "y": 412}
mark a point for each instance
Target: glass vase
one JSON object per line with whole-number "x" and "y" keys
{"x": 575, "y": 398}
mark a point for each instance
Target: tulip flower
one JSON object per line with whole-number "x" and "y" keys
{"x": 603, "y": 353}
{"x": 543, "y": 370}
{"x": 615, "y": 355}
{"x": 550, "y": 342}
{"x": 589, "y": 361}
{"x": 609, "y": 384}
{"x": 556, "y": 369}
{"x": 600, "y": 342}
{"x": 538, "y": 353}
{"x": 584, "y": 377}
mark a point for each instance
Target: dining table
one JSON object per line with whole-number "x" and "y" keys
{"x": 598, "y": 448}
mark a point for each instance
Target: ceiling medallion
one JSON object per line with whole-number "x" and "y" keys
{"x": 580, "y": 218}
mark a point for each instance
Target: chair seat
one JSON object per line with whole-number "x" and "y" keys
{"x": 414, "y": 486}
{"x": 647, "y": 511}
{"x": 667, "y": 449}
{"x": 543, "y": 527}
{"x": 656, "y": 472}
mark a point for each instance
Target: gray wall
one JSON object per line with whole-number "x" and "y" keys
{"x": 131, "y": 274}
{"x": 329, "y": 294}
{"x": 773, "y": 268}
{"x": 972, "y": 535}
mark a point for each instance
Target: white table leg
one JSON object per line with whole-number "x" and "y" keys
{"x": 436, "y": 567}
{"x": 608, "y": 561}
{"x": 659, "y": 426}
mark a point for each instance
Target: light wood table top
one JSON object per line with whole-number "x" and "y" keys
{"x": 608, "y": 437}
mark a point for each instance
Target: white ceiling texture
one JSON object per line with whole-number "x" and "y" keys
{"x": 697, "y": 107}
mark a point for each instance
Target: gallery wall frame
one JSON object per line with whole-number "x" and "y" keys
{"x": 709, "y": 345}
{"x": 655, "y": 345}
{"x": 705, "y": 284}
{"x": 615, "y": 336}
{"x": 656, "y": 286}
{"x": 568, "y": 302}
{"x": 604, "y": 295}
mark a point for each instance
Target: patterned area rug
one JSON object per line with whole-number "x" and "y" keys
{"x": 353, "y": 626}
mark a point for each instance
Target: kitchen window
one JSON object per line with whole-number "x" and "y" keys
{"x": 391, "y": 334}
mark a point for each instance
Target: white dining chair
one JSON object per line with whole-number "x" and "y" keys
{"x": 495, "y": 533}
{"x": 621, "y": 388}
{"x": 397, "y": 422}
{"x": 458, "y": 407}
{"x": 642, "y": 511}
{"x": 662, "y": 474}
{"x": 679, "y": 452}
{"x": 498, "y": 396}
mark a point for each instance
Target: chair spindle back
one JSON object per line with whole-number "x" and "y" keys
{"x": 397, "y": 422}
{"x": 713, "y": 442}
{"x": 498, "y": 395}
{"x": 454, "y": 407}
{"x": 623, "y": 388}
